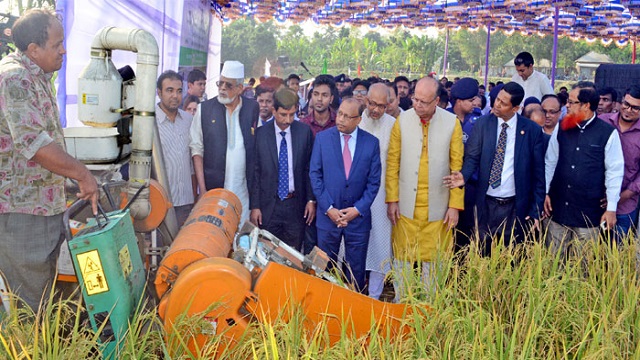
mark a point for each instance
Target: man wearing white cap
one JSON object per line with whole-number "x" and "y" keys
{"x": 222, "y": 137}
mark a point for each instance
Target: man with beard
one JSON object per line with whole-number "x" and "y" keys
{"x": 173, "y": 126}
{"x": 222, "y": 138}
{"x": 426, "y": 145}
{"x": 379, "y": 254}
{"x": 321, "y": 116}
{"x": 584, "y": 164}
{"x": 626, "y": 122}
{"x": 404, "y": 87}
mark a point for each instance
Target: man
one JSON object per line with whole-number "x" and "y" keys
{"x": 403, "y": 86}
{"x": 293, "y": 83}
{"x": 340, "y": 82}
{"x": 463, "y": 93}
{"x": 282, "y": 200}
{"x": 321, "y": 117}
{"x": 264, "y": 96}
{"x": 196, "y": 84}
{"x": 33, "y": 159}
{"x": 393, "y": 108}
{"x": 507, "y": 151}
{"x": 584, "y": 164}
{"x": 535, "y": 83}
{"x": 345, "y": 177}
{"x": 426, "y": 144}
{"x": 379, "y": 123}
{"x": 552, "y": 109}
{"x": 608, "y": 100}
{"x": 222, "y": 139}
{"x": 173, "y": 126}
{"x": 626, "y": 122}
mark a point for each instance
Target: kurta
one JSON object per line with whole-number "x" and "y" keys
{"x": 417, "y": 238}
{"x": 379, "y": 255}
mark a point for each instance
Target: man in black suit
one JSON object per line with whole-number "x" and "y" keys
{"x": 222, "y": 138}
{"x": 508, "y": 151}
{"x": 281, "y": 199}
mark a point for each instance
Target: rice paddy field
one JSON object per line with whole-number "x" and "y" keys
{"x": 522, "y": 303}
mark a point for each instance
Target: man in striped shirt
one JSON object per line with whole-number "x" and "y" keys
{"x": 173, "y": 126}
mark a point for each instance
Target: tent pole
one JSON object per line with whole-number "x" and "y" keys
{"x": 633, "y": 55}
{"x": 446, "y": 53}
{"x": 554, "y": 58}
{"x": 486, "y": 57}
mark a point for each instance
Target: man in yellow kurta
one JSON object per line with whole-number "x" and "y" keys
{"x": 426, "y": 145}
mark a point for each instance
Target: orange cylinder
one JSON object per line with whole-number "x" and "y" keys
{"x": 208, "y": 232}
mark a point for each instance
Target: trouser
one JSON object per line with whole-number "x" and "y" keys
{"x": 560, "y": 237}
{"x": 29, "y": 248}
{"x": 355, "y": 245}
{"x": 624, "y": 223}
{"x": 403, "y": 271}
{"x": 498, "y": 220}
{"x": 285, "y": 224}
{"x": 182, "y": 213}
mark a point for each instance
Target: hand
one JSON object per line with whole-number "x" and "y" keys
{"x": 626, "y": 195}
{"x": 348, "y": 214}
{"x": 335, "y": 216}
{"x": 535, "y": 226}
{"x": 89, "y": 191}
{"x": 454, "y": 180}
{"x": 256, "y": 217}
{"x": 547, "y": 206}
{"x": 603, "y": 203}
{"x": 393, "y": 212}
{"x": 310, "y": 212}
{"x": 451, "y": 218}
{"x": 609, "y": 217}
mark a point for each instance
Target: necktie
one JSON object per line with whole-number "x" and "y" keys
{"x": 283, "y": 168}
{"x": 498, "y": 159}
{"x": 346, "y": 155}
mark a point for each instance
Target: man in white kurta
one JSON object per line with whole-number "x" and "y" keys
{"x": 379, "y": 254}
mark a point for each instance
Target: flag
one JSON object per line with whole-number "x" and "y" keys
{"x": 267, "y": 68}
{"x": 324, "y": 67}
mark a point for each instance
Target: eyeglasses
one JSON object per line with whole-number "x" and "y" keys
{"x": 418, "y": 102}
{"x": 626, "y": 105}
{"x": 223, "y": 84}
{"x": 571, "y": 102}
{"x": 341, "y": 114}
{"x": 551, "y": 112}
{"x": 360, "y": 92}
{"x": 376, "y": 105}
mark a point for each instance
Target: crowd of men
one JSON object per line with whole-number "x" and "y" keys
{"x": 393, "y": 172}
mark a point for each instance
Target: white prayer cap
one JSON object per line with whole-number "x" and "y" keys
{"x": 233, "y": 69}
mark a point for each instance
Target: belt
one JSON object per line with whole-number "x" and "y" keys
{"x": 502, "y": 201}
{"x": 289, "y": 195}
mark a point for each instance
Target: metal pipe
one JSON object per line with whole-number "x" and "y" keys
{"x": 145, "y": 45}
{"x": 486, "y": 58}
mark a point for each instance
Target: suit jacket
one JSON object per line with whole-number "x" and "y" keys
{"x": 264, "y": 193}
{"x": 214, "y": 136}
{"x": 528, "y": 163}
{"x": 329, "y": 182}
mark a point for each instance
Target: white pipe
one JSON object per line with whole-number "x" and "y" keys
{"x": 145, "y": 45}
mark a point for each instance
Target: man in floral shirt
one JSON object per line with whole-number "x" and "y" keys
{"x": 33, "y": 160}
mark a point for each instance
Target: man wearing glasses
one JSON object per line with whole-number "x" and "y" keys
{"x": 552, "y": 109}
{"x": 425, "y": 146}
{"x": 583, "y": 165}
{"x": 535, "y": 83}
{"x": 222, "y": 137}
{"x": 626, "y": 122}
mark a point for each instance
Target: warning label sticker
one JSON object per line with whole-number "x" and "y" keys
{"x": 92, "y": 273}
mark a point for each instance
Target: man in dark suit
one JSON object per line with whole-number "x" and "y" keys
{"x": 222, "y": 138}
{"x": 281, "y": 198}
{"x": 345, "y": 176}
{"x": 508, "y": 151}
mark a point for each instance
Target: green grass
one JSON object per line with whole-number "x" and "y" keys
{"x": 523, "y": 303}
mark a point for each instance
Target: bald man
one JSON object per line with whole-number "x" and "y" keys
{"x": 376, "y": 121}
{"x": 425, "y": 145}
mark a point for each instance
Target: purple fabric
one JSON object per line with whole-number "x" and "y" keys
{"x": 630, "y": 141}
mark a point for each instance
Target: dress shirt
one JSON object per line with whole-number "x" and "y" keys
{"x": 507, "y": 186}
{"x": 613, "y": 164}
{"x": 352, "y": 142}
{"x": 174, "y": 140}
{"x": 262, "y": 122}
{"x": 536, "y": 85}
{"x": 287, "y": 137}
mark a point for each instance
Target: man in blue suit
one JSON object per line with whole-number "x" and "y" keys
{"x": 345, "y": 175}
{"x": 508, "y": 151}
